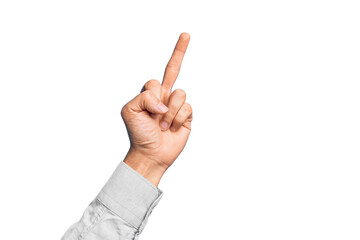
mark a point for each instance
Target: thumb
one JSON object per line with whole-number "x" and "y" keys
{"x": 147, "y": 101}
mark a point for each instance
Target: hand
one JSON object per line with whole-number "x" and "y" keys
{"x": 158, "y": 121}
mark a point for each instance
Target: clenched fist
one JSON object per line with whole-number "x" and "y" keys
{"x": 158, "y": 121}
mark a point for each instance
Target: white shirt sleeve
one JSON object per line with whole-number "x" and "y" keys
{"x": 120, "y": 210}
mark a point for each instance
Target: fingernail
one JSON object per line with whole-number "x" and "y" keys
{"x": 172, "y": 129}
{"x": 162, "y": 107}
{"x": 163, "y": 125}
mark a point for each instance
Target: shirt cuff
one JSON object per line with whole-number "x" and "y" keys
{"x": 130, "y": 195}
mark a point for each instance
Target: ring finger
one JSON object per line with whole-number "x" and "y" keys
{"x": 183, "y": 115}
{"x": 176, "y": 100}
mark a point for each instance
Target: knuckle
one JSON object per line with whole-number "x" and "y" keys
{"x": 180, "y": 92}
{"x": 123, "y": 110}
{"x": 187, "y": 107}
{"x": 151, "y": 84}
{"x": 172, "y": 66}
{"x": 146, "y": 94}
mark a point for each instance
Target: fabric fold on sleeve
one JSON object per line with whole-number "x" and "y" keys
{"x": 130, "y": 196}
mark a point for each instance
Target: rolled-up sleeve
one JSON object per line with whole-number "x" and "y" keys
{"x": 120, "y": 210}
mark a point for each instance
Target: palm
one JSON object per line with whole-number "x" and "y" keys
{"x": 147, "y": 136}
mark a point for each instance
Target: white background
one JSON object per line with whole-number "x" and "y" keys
{"x": 274, "y": 85}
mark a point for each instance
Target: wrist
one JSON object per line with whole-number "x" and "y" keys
{"x": 145, "y": 166}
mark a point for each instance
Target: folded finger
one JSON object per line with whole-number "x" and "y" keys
{"x": 183, "y": 116}
{"x": 176, "y": 100}
{"x": 154, "y": 86}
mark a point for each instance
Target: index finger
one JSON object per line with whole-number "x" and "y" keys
{"x": 173, "y": 67}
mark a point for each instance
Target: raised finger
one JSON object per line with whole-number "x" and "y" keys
{"x": 173, "y": 67}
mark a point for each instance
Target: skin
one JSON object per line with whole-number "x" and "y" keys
{"x": 154, "y": 146}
